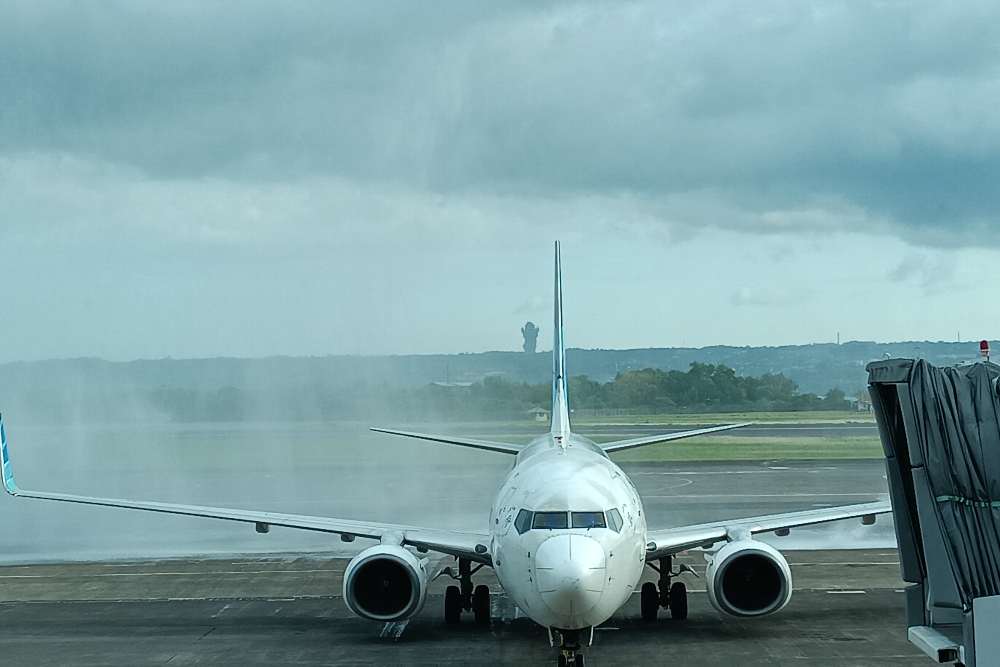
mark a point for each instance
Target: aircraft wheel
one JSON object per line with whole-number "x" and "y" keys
{"x": 678, "y": 601}
{"x": 579, "y": 661}
{"x": 561, "y": 661}
{"x": 481, "y": 605}
{"x": 452, "y": 605}
{"x": 649, "y": 601}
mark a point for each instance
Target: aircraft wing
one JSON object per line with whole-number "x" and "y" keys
{"x": 667, "y": 542}
{"x": 620, "y": 445}
{"x": 473, "y": 546}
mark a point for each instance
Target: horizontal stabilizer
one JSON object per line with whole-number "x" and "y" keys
{"x": 666, "y": 437}
{"x": 489, "y": 446}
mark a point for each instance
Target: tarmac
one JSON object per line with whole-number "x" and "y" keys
{"x": 847, "y": 610}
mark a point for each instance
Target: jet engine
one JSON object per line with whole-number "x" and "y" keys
{"x": 748, "y": 578}
{"x": 385, "y": 583}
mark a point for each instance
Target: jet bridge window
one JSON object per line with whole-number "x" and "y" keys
{"x": 551, "y": 520}
{"x": 588, "y": 520}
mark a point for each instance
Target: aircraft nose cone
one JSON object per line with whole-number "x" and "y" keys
{"x": 570, "y": 573}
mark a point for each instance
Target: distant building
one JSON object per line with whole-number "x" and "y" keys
{"x": 530, "y": 333}
{"x": 540, "y": 414}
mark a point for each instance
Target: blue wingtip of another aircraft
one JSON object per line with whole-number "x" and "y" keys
{"x": 8, "y": 472}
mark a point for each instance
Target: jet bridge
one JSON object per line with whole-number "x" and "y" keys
{"x": 940, "y": 430}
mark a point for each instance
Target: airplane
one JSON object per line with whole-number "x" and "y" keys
{"x": 567, "y": 536}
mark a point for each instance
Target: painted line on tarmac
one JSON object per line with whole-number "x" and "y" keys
{"x": 159, "y": 574}
{"x": 764, "y": 495}
{"x": 828, "y": 591}
{"x": 725, "y": 472}
{"x": 238, "y": 598}
{"x": 849, "y": 563}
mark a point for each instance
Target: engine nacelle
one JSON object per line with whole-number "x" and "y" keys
{"x": 385, "y": 583}
{"x": 749, "y": 578}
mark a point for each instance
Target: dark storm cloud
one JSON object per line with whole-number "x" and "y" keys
{"x": 779, "y": 117}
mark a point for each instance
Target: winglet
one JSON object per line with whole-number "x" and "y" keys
{"x": 560, "y": 401}
{"x": 5, "y": 468}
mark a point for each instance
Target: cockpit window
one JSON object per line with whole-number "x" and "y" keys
{"x": 550, "y": 520}
{"x": 523, "y": 522}
{"x": 588, "y": 520}
{"x": 615, "y": 522}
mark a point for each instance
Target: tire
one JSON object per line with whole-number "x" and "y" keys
{"x": 678, "y": 601}
{"x": 561, "y": 661}
{"x": 481, "y": 605}
{"x": 649, "y": 601}
{"x": 452, "y": 605}
{"x": 579, "y": 661}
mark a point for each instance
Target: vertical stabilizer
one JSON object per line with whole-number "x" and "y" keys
{"x": 560, "y": 401}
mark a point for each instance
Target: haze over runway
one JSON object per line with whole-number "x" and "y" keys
{"x": 346, "y": 470}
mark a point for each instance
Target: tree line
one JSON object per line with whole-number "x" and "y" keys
{"x": 701, "y": 388}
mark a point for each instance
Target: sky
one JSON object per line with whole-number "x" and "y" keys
{"x": 190, "y": 179}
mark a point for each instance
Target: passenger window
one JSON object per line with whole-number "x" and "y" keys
{"x": 615, "y": 520}
{"x": 523, "y": 522}
{"x": 588, "y": 520}
{"x": 550, "y": 520}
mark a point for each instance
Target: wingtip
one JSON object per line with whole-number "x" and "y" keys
{"x": 6, "y": 470}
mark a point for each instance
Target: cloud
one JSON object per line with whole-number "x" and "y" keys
{"x": 768, "y": 297}
{"x": 932, "y": 272}
{"x": 776, "y": 118}
{"x": 533, "y": 306}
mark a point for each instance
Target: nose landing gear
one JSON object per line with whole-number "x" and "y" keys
{"x": 672, "y": 596}
{"x": 570, "y": 650}
{"x": 464, "y": 597}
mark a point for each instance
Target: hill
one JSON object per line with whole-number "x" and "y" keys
{"x": 299, "y": 387}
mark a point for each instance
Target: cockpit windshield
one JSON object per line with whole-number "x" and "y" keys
{"x": 527, "y": 520}
{"x": 550, "y": 520}
{"x": 588, "y": 520}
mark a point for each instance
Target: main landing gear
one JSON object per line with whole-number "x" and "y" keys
{"x": 672, "y": 596}
{"x": 464, "y": 597}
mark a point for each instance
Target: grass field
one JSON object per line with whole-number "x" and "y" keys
{"x": 745, "y": 447}
{"x": 809, "y": 417}
{"x": 749, "y": 448}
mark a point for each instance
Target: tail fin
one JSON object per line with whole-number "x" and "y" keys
{"x": 560, "y": 400}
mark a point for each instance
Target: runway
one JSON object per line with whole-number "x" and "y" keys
{"x": 438, "y": 494}
{"x": 344, "y": 470}
{"x": 286, "y": 609}
{"x": 846, "y": 611}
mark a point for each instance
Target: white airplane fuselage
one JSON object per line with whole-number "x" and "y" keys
{"x": 567, "y": 578}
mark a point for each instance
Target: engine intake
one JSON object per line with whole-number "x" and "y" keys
{"x": 385, "y": 583}
{"x": 749, "y": 578}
